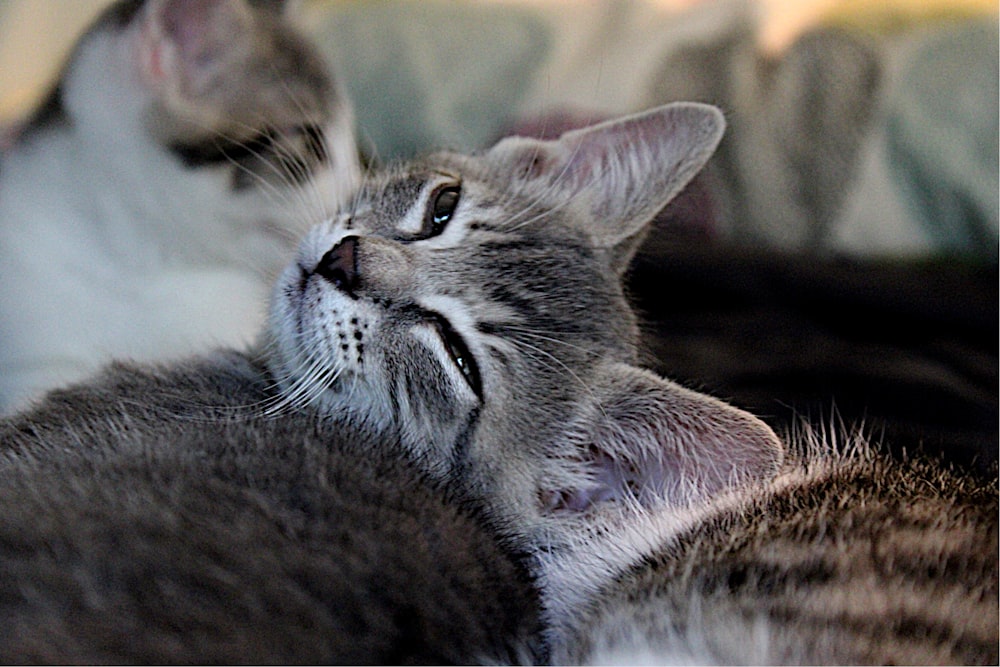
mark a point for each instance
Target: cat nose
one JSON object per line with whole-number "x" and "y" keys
{"x": 339, "y": 265}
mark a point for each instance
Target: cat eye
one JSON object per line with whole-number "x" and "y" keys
{"x": 460, "y": 355}
{"x": 441, "y": 208}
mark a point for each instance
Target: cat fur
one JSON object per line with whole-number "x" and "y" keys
{"x": 594, "y": 465}
{"x": 153, "y": 516}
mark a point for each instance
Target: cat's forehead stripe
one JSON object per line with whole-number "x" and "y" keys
{"x": 392, "y": 200}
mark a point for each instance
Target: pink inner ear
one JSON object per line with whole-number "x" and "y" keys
{"x": 644, "y": 481}
{"x": 187, "y": 23}
{"x": 182, "y": 40}
{"x": 657, "y": 444}
{"x": 151, "y": 54}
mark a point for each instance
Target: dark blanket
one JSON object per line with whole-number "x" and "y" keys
{"x": 908, "y": 349}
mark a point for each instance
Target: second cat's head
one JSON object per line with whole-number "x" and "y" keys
{"x": 474, "y": 305}
{"x": 229, "y": 89}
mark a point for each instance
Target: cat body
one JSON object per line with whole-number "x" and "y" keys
{"x": 845, "y": 557}
{"x": 149, "y": 516}
{"x": 148, "y": 204}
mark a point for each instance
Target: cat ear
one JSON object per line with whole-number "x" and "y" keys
{"x": 654, "y": 442}
{"x": 617, "y": 175}
{"x": 184, "y": 44}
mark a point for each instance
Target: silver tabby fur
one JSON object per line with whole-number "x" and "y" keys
{"x": 149, "y": 516}
{"x": 664, "y": 525}
{"x": 845, "y": 557}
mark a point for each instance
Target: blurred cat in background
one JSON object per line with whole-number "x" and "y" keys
{"x": 149, "y": 201}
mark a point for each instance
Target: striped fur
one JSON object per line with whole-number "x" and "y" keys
{"x": 843, "y": 558}
{"x": 662, "y": 525}
{"x": 154, "y": 516}
{"x": 525, "y": 279}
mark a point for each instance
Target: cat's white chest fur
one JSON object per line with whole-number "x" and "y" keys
{"x": 114, "y": 241}
{"x": 100, "y": 260}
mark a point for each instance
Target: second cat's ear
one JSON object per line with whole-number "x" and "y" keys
{"x": 651, "y": 441}
{"x": 615, "y": 176}
{"x": 185, "y": 44}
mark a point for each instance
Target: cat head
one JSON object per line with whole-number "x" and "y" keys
{"x": 227, "y": 85}
{"x": 474, "y": 304}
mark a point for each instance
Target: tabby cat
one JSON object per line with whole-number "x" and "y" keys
{"x": 148, "y": 204}
{"x": 845, "y": 557}
{"x": 150, "y": 517}
{"x": 464, "y": 316}
{"x": 475, "y": 304}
